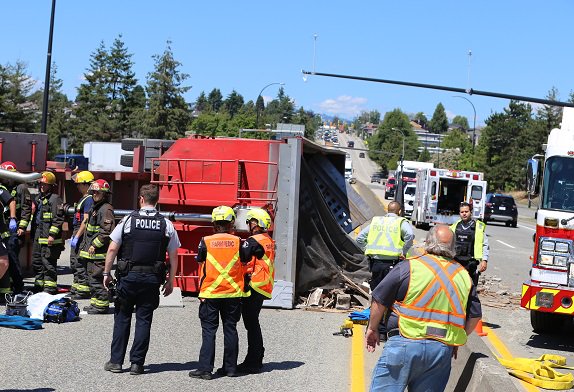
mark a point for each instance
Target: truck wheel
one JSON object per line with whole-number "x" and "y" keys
{"x": 546, "y": 323}
{"x": 127, "y": 160}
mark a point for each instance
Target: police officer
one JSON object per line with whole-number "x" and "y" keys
{"x": 385, "y": 242}
{"x": 220, "y": 292}
{"x": 80, "y": 288}
{"x": 140, "y": 241}
{"x": 23, "y": 213}
{"x": 99, "y": 225}
{"x": 471, "y": 242}
{"x": 260, "y": 250}
{"x": 47, "y": 229}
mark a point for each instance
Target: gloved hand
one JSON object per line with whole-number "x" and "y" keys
{"x": 74, "y": 242}
{"x": 13, "y": 225}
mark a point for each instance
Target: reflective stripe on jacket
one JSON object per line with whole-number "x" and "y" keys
{"x": 384, "y": 236}
{"x": 98, "y": 229}
{"x": 223, "y": 271}
{"x": 263, "y": 275}
{"x": 480, "y": 227}
{"x": 434, "y": 306}
{"x": 49, "y": 218}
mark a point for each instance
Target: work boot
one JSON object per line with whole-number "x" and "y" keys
{"x": 113, "y": 367}
{"x": 136, "y": 369}
{"x": 94, "y": 310}
{"x": 201, "y": 374}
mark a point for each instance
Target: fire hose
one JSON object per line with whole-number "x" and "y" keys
{"x": 540, "y": 371}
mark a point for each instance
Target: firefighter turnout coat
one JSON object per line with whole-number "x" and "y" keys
{"x": 99, "y": 226}
{"x": 49, "y": 219}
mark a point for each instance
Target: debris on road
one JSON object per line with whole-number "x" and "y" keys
{"x": 494, "y": 294}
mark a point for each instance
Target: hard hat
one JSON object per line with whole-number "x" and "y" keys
{"x": 48, "y": 178}
{"x": 261, "y": 216}
{"x": 11, "y": 166}
{"x": 100, "y": 186}
{"x": 83, "y": 177}
{"x": 223, "y": 213}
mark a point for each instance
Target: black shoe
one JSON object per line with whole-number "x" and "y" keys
{"x": 94, "y": 310}
{"x": 113, "y": 367}
{"x": 201, "y": 374}
{"x": 222, "y": 372}
{"x": 249, "y": 368}
{"x": 86, "y": 308}
{"x": 136, "y": 369}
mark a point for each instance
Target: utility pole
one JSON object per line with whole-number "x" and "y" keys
{"x": 44, "y": 125}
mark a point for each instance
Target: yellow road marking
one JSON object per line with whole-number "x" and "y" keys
{"x": 357, "y": 359}
{"x": 505, "y": 353}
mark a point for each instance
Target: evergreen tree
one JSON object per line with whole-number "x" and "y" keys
{"x": 425, "y": 155}
{"x": 201, "y": 103}
{"x": 233, "y": 103}
{"x": 169, "y": 114}
{"x": 58, "y": 114}
{"x": 215, "y": 100}
{"x": 462, "y": 122}
{"x": 439, "y": 121}
{"x": 18, "y": 114}
{"x": 549, "y": 115}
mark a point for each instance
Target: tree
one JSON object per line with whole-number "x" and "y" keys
{"x": 421, "y": 119}
{"x": 439, "y": 121}
{"x": 425, "y": 156}
{"x": 201, "y": 103}
{"x": 549, "y": 115}
{"x": 385, "y": 147}
{"x": 17, "y": 113}
{"x": 461, "y": 121}
{"x": 168, "y": 115}
{"x": 215, "y": 100}
{"x": 233, "y": 103}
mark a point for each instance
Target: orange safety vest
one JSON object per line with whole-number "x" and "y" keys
{"x": 263, "y": 274}
{"x": 223, "y": 271}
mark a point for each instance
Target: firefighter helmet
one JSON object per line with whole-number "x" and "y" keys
{"x": 48, "y": 178}
{"x": 83, "y": 177}
{"x": 223, "y": 213}
{"x": 100, "y": 186}
{"x": 261, "y": 216}
{"x": 10, "y": 166}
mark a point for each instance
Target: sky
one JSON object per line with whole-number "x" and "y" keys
{"x": 518, "y": 47}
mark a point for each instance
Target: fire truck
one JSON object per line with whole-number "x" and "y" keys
{"x": 439, "y": 193}
{"x": 549, "y": 292}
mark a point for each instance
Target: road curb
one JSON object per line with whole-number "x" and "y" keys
{"x": 477, "y": 370}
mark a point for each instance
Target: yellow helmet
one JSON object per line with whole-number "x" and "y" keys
{"x": 83, "y": 177}
{"x": 223, "y": 213}
{"x": 48, "y": 178}
{"x": 261, "y": 216}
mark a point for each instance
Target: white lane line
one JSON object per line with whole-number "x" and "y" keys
{"x": 526, "y": 227}
{"x": 504, "y": 243}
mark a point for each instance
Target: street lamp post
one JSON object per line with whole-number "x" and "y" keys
{"x": 257, "y": 107}
{"x": 473, "y": 126}
{"x": 399, "y": 196}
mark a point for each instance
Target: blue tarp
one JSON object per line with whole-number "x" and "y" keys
{"x": 20, "y": 322}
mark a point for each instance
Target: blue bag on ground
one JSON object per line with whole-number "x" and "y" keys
{"x": 62, "y": 310}
{"x": 20, "y": 322}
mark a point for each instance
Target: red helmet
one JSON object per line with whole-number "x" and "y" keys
{"x": 100, "y": 186}
{"x": 10, "y": 166}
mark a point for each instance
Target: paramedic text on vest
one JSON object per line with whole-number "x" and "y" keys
{"x": 385, "y": 242}
{"x": 140, "y": 241}
{"x": 434, "y": 308}
{"x": 471, "y": 242}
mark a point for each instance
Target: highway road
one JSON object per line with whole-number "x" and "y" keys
{"x": 510, "y": 331}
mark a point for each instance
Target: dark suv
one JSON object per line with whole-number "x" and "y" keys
{"x": 501, "y": 208}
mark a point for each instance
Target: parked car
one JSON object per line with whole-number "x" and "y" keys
{"x": 390, "y": 188}
{"x": 501, "y": 208}
{"x": 376, "y": 177}
{"x": 409, "y": 198}
{"x": 361, "y": 155}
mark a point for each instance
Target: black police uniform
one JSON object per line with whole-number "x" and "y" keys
{"x": 141, "y": 271}
{"x": 464, "y": 245}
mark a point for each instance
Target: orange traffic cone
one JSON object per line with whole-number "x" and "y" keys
{"x": 478, "y": 329}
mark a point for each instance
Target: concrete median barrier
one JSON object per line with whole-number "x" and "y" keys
{"x": 477, "y": 370}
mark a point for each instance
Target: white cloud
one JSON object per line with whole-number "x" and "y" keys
{"x": 343, "y": 106}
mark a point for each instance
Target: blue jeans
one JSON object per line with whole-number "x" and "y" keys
{"x": 422, "y": 365}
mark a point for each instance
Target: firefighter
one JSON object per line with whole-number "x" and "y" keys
{"x": 386, "y": 241}
{"x": 140, "y": 240}
{"x": 23, "y": 213}
{"x": 92, "y": 254}
{"x": 471, "y": 242}
{"x": 220, "y": 293}
{"x": 80, "y": 288}
{"x": 260, "y": 250}
{"x": 6, "y": 230}
{"x": 47, "y": 228}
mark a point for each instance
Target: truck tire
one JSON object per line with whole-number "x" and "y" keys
{"x": 546, "y": 323}
{"x": 130, "y": 144}
{"x": 127, "y": 160}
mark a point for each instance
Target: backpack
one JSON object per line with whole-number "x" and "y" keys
{"x": 62, "y": 310}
